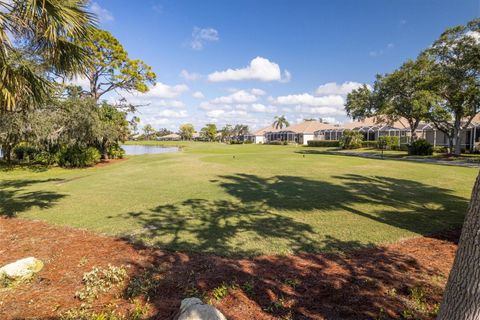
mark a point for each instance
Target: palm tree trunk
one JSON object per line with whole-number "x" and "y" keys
{"x": 461, "y": 298}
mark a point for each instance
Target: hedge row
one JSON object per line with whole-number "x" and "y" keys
{"x": 324, "y": 143}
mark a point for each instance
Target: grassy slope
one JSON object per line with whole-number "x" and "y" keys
{"x": 268, "y": 199}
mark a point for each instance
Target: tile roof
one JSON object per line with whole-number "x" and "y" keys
{"x": 303, "y": 127}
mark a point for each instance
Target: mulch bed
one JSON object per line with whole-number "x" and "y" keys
{"x": 104, "y": 163}
{"x": 372, "y": 283}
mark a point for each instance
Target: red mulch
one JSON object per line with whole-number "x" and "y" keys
{"x": 108, "y": 162}
{"x": 356, "y": 285}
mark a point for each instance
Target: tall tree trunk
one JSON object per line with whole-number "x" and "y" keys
{"x": 461, "y": 300}
{"x": 413, "y": 135}
{"x": 457, "y": 134}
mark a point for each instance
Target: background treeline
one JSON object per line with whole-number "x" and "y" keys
{"x": 44, "y": 46}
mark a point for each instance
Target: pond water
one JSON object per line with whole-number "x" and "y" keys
{"x": 136, "y": 149}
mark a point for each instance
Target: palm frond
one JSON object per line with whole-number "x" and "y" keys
{"x": 21, "y": 86}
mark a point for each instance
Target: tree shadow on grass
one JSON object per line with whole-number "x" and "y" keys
{"x": 214, "y": 226}
{"x": 406, "y": 204}
{"x": 253, "y": 222}
{"x": 16, "y": 198}
{"x": 352, "y": 284}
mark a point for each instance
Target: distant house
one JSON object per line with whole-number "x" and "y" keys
{"x": 300, "y": 133}
{"x": 373, "y": 128}
{"x": 259, "y": 135}
{"x": 170, "y": 137}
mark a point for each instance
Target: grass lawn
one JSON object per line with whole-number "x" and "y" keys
{"x": 246, "y": 199}
{"x": 466, "y": 157}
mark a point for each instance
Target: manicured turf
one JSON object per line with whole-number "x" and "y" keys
{"x": 246, "y": 199}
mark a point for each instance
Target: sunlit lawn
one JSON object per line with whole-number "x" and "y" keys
{"x": 246, "y": 199}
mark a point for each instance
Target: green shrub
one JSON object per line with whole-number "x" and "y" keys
{"x": 78, "y": 157}
{"x": 116, "y": 152}
{"x": 236, "y": 142}
{"x": 351, "y": 140}
{"x": 389, "y": 142}
{"x": 403, "y": 147}
{"x": 248, "y": 141}
{"x": 220, "y": 292}
{"x": 24, "y": 152}
{"x": 46, "y": 158}
{"x": 324, "y": 143}
{"x": 420, "y": 147}
{"x": 369, "y": 144}
{"x": 276, "y": 143}
{"x": 100, "y": 280}
{"x": 440, "y": 149}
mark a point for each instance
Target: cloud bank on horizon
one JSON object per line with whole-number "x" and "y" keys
{"x": 232, "y": 63}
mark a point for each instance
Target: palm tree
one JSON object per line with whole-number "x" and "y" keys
{"x": 280, "y": 122}
{"x": 47, "y": 29}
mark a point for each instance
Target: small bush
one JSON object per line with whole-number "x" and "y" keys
{"x": 78, "y": 157}
{"x": 248, "y": 141}
{"x": 440, "y": 149}
{"x": 420, "y": 147}
{"x": 236, "y": 142}
{"x": 116, "y": 152}
{"x": 403, "y": 147}
{"x": 24, "y": 152}
{"x": 145, "y": 283}
{"x": 324, "y": 143}
{"x": 100, "y": 280}
{"x": 369, "y": 144}
{"x": 351, "y": 140}
{"x": 220, "y": 292}
{"x": 46, "y": 158}
{"x": 276, "y": 143}
{"x": 389, "y": 142}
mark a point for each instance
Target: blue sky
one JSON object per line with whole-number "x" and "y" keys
{"x": 297, "y": 58}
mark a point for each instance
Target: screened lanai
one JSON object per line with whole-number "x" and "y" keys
{"x": 370, "y": 133}
{"x": 282, "y": 136}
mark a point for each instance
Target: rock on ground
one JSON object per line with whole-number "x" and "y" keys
{"x": 195, "y": 309}
{"x": 21, "y": 269}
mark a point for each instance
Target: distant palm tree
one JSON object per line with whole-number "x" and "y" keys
{"x": 280, "y": 122}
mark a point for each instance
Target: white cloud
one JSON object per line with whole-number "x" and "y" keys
{"x": 309, "y": 100}
{"x": 160, "y": 95}
{"x": 334, "y": 88}
{"x": 172, "y": 113}
{"x": 287, "y": 76}
{"x": 202, "y": 35}
{"x": 205, "y": 105}
{"x": 240, "y": 96}
{"x": 225, "y": 114}
{"x": 103, "y": 14}
{"x": 331, "y": 120}
{"x": 259, "y": 69}
{"x": 320, "y": 110}
{"x": 169, "y": 103}
{"x": 257, "y": 92}
{"x": 258, "y": 107}
{"x": 164, "y": 91}
{"x": 79, "y": 81}
{"x": 190, "y": 76}
{"x": 155, "y": 122}
{"x": 198, "y": 95}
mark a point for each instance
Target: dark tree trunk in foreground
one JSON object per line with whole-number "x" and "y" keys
{"x": 461, "y": 300}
